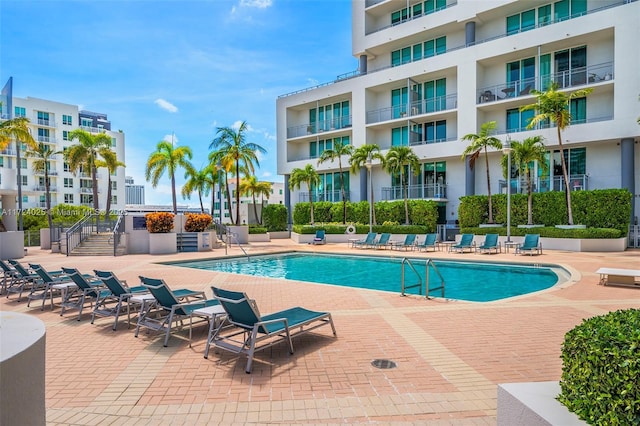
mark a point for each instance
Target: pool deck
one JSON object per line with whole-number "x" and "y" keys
{"x": 450, "y": 355}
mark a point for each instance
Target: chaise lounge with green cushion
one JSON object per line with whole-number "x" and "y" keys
{"x": 490, "y": 244}
{"x": 466, "y": 243}
{"x": 530, "y": 245}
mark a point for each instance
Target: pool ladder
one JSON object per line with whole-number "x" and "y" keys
{"x": 429, "y": 262}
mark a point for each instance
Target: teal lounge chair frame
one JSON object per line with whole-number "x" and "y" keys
{"x": 409, "y": 243}
{"x": 490, "y": 244}
{"x": 42, "y": 289}
{"x": 257, "y": 332}
{"x": 9, "y": 276}
{"x": 168, "y": 309}
{"x": 466, "y": 243}
{"x": 120, "y": 296}
{"x": 320, "y": 237}
{"x": 88, "y": 288}
{"x": 531, "y": 245}
{"x": 368, "y": 241}
{"x": 25, "y": 280}
{"x": 430, "y": 242}
{"x": 383, "y": 242}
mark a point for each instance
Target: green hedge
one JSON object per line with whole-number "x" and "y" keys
{"x": 274, "y": 217}
{"x": 602, "y": 208}
{"x": 549, "y": 232}
{"x": 255, "y": 229}
{"x": 338, "y": 228}
{"x": 601, "y": 369}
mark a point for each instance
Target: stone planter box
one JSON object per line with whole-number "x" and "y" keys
{"x": 491, "y": 225}
{"x": 279, "y": 235}
{"x": 45, "y": 239}
{"x": 164, "y": 243}
{"x": 241, "y": 234}
{"x": 533, "y": 404}
{"x": 530, "y": 226}
{"x": 586, "y": 244}
{"x": 571, "y": 226}
{"x": 11, "y": 245}
{"x": 259, "y": 238}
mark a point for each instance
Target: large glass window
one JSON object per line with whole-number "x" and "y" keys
{"x": 435, "y": 131}
{"x": 518, "y": 121}
{"x": 399, "y": 102}
{"x": 435, "y": 95}
{"x": 329, "y": 117}
{"x": 43, "y": 135}
{"x": 66, "y": 119}
{"x": 521, "y": 22}
{"x": 570, "y": 66}
{"x": 400, "y": 136}
{"x": 521, "y": 77}
{"x": 19, "y": 112}
{"x": 68, "y": 198}
{"x": 578, "y": 110}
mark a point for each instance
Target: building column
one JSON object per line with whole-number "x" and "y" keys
{"x": 470, "y": 33}
{"x": 287, "y": 199}
{"x": 9, "y": 212}
{"x": 627, "y": 170}
{"x": 469, "y": 177}
{"x": 363, "y": 64}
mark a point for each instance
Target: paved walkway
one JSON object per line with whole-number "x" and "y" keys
{"x": 450, "y": 355}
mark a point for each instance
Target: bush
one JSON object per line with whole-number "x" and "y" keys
{"x": 257, "y": 229}
{"x": 601, "y": 369}
{"x": 549, "y": 232}
{"x": 160, "y": 222}
{"x": 197, "y": 222}
{"x": 339, "y": 228}
{"x": 275, "y": 217}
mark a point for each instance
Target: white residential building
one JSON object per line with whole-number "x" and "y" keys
{"x": 50, "y": 123}
{"x": 433, "y": 71}
{"x": 247, "y": 213}
{"x": 134, "y": 194}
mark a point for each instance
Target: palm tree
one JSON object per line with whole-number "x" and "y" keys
{"x": 264, "y": 190}
{"x": 396, "y": 160}
{"x": 42, "y": 155}
{"x": 308, "y": 176}
{"x": 197, "y": 180}
{"x": 167, "y": 158}
{"x": 523, "y": 154}
{"x": 111, "y": 163}
{"x": 17, "y": 129}
{"x": 339, "y": 149}
{"x": 85, "y": 153}
{"x": 251, "y": 186}
{"x": 232, "y": 143}
{"x": 479, "y": 144}
{"x": 554, "y": 105}
{"x": 211, "y": 178}
{"x": 358, "y": 159}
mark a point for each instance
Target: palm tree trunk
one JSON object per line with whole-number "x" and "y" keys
{"x": 94, "y": 181}
{"x": 529, "y": 199}
{"x": 405, "y": 190}
{"x": 373, "y": 204}
{"x": 173, "y": 194}
{"x": 342, "y": 193}
{"x": 47, "y": 198}
{"x": 226, "y": 184}
{"x": 565, "y": 176}
{"x": 311, "y": 205}
{"x": 108, "y": 207}
{"x": 255, "y": 207}
{"x": 486, "y": 159}
{"x": 237, "y": 192}
{"x": 201, "y": 205}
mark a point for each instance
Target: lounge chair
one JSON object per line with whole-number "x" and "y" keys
{"x": 366, "y": 242}
{"x": 88, "y": 288}
{"x": 409, "y": 243}
{"x": 530, "y": 245}
{"x": 9, "y": 276}
{"x": 112, "y": 304}
{"x": 50, "y": 283}
{"x": 25, "y": 279}
{"x": 167, "y": 309}
{"x": 430, "y": 242}
{"x": 490, "y": 244}
{"x": 383, "y": 241}
{"x": 466, "y": 243}
{"x": 320, "y": 237}
{"x": 255, "y": 328}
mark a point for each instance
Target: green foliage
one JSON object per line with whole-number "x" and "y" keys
{"x": 605, "y": 208}
{"x": 548, "y": 232}
{"x": 256, "y": 229}
{"x": 34, "y": 219}
{"x": 423, "y": 212}
{"x": 339, "y": 228}
{"x": 275, "y": 217}
{"x": 159, "y": 222}
{"x": 601, "y": 369}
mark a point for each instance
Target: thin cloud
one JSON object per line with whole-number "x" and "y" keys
{"x": 259, "y": 4}
{"x": 171, "y": 138}
{"x": 166, "y": 105}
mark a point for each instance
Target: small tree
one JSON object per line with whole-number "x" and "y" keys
{"x": 308, "y": 176}
{"x": 339, "y": 149}
{"x": 479, "y": 144}
{"x": 42, "y": 156}
{"x": 399, "y": 158}
{"x": 167, "y": 158}
{"x": 359, "y": 158}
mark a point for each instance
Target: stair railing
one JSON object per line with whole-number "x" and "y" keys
{"x": 118, "y": 230}
{"x": 80, "y": 231}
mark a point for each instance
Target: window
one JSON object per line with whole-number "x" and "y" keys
{"x": 521, "y": 76}
{"x": 25, "y": 180}
{"x": 19, "y": 112}
{"x": 1, "y": 161}
{"x": 43, "y": 135}
{"x": 280, "y": 191}
{"x": 578, "y": 110}
{"x": 399, "y": 16}
{"x": 399, "y": 102}
{"x": 23, "y": 163}
{"x": 66, "y": 119}
{"x": 68, "y": 198}
{"x": 518, "y": 121}
{"x": 43, "y": 118}
{"x": 400, "y": 136}
{"x": 114, "y": 185}
{"x": 544, "y": 15}
{"x": 570, "y": 66}
{"x": 435, "y": 177}
{"x": 431, "y": 6}
{"x": 436, "y": 131}
{"x": 435, "y": 95}
{"x": 524, "y": 21}
{"x": 113, "y": 142}
{"x": 317, "y": 148}
{"x": 114, "y": 199}
{"x": 329, "y": 187}
{"x": 86, "y": 199}
{"x": 25, "y": 198}
{"x": 68, "y": 182}
{"x": 65, "y": 135}
{"x": 86, "y": 122}
{"x": 329, "y": 117}
{"x": 419, "y": 51}
{"x": 434, "y": 47}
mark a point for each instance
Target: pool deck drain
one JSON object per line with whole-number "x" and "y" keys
{"x": 383, "y": 364}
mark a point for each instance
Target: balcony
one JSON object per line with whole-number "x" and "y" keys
{"x": 46, "y": 139}
{"x": 370, "y": 3}
{"x": 92, "y": 129}
{"x": 574, "y": 122}
{"x": 319, "y": 127}
{"x": 583, "y": 76}
{"x": 49, "y": 173}
{"x": 42, "y": 188}
{"x": 87, "y": 191}
{"x": 9, "y": 152}
{"x": 43, "y": 122}
{"x": 324, "y": 196}
{"x": 435, "y": 191}
{"x": 403, "y": 111}
{"x": 577, "y": 182}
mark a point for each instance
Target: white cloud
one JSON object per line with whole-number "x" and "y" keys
{"x": 171, "y": 138}
{"x": 166, "y": 105}
{"x": 266, "y": 174}
{"x": 259, "y": 4}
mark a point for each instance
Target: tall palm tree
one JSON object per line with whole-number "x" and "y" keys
{"x": 251, "y": 186}
{"x": 16, "y": 129}
{"x": 339, "y": 149}
{"x": 167, "y": 158}
{"x": 211, "y": 178}
{"x": 479, "y": 144}
{"x": 359, "y": 159}
{"x": 197, "y": 180}
{"x": 111, "y": 163}
{"x": 554, "y": 105}
{"x": 264, "y": 191}
{"x": 84, "y": 155}
{"x": 523, "y": 155}
{"x": 43, "y": 155}
{"x": 232, "y": 143}
{"x": 308, "y": 176}
{"x": 399, "y": 158}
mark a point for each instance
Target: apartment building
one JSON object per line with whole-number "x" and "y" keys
{"x": 433, "y": 71}
{"x": 134, "y": 194}
{"x": 50, "y": 124}
{"x": 247, "y": 211}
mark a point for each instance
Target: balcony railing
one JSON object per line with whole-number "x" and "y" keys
{"x": 44, "y": 122}
{"x": 574, "y": 122}
{"x": 437, "y": 191}
{"x": 411, "y": 18}
{"x": 424, "y": 106}
{"x": 576, "y": 77}
{"x": 324, "y": 196}
{"x": 42, "y": 188}
{"x": 87, "y": 191}
{"x": 319, "y": 127}
{"x": 577, "y": 182}
{"x": 92, "y": 129}
{"x": 49, "y": 173}
{"x": 8, "y": 151}
{"x": 46, "y": 139}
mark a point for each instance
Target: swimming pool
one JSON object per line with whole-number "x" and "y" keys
{"x": 471, "y": 281}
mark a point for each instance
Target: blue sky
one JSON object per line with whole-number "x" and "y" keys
{"x": 158, "y": 67}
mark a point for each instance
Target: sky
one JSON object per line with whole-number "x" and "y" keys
{"x": 175, "y": 68}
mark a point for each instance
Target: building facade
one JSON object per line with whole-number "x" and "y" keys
{"x": 431, "y": 72}
{"x": 50, "y": 124}
{"x": 134, "y": 194}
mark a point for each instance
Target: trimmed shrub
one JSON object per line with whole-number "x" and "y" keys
{"x": 274, "y": 217}
{"x": 335, "y": 228}
{"x": 548, "y": 232}
{"x": 197, "y": 222}
{"x": 160, "y": 222}
{"x": 601, "y": 369}
{"x": 256, "y": 229}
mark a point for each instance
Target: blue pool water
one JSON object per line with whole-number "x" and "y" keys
{"x": 472, "y": 281}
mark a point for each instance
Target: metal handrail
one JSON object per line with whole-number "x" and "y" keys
{"x": 406, "y": 261}
{"x": 78, "y": 232}
{"x": 118, "y": 230}
{"x": 435, "y": 268}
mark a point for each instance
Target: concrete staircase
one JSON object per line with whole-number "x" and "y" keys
{"x": 97, "y": 245}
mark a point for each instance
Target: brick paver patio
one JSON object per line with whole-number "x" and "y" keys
{"x": 450, "y": 355}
